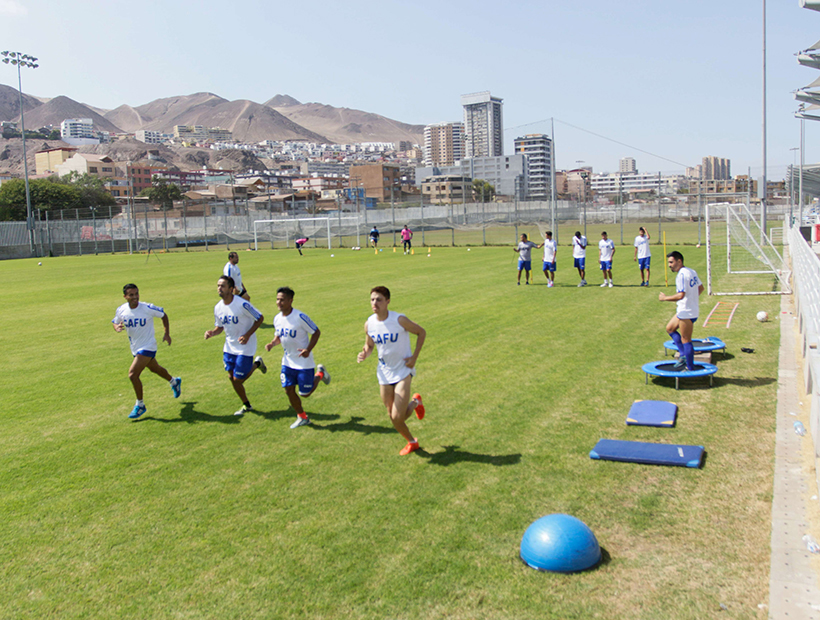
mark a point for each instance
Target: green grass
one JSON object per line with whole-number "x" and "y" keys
{"x": 193, "y": 513}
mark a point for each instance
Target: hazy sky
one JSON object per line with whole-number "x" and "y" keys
{"x": 680, "y": 80}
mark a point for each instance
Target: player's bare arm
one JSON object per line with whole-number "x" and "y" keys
{"x": 243, "y": 339}
{"x": 421, "y": 334}
{"x": 167, "y": 325}
{"x": 273, "y": 343}
{"x": 118, "y": 327}
{"x": 311, "y": 345}
{"x": 213, "y": 332}
{"x": 675, "y": 297}
{"x": 368, "y": 347}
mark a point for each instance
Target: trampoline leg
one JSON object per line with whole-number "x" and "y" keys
{"x": 647, "y": 379}
{"x": 677, "y": 379}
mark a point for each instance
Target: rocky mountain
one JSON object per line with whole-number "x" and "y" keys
{"x": 345, "y": 125}
{"x": 281, "y": 101}
{"x": 56, "y": 110}
{"x": 158, "y": 114}
{"x": 10, "y": 103}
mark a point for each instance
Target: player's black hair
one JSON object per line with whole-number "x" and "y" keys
{"x": 127, "y": 286}
{"x": 549, "y": 233}
{"x": 603, "y": 233}
{"x": 286, "y": 291}
{"x": 578, "y": 233}
{"x": 676, "y": 255}
{"x": 524, "y": 235}
{"x": 229, "y": 280}
{"x": 232, "y": 254}
{"x": 381, "y": 290}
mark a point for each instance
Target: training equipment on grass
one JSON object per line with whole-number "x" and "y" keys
{"x": 722, "y": 313}
{"x": 658, "y": 413}
{"x": 559, "y": 543}
{"x": 665, "y": 368}
{"x": 762, "y": 316}
{"x": 647, "y": 453}
{"x": 702, "y": 345}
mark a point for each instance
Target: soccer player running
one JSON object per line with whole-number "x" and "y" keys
{"x": 298, "y": 336}
{"x": 642, "y": 254}
{"x": 550, "y": 252}
{"x": 606, "y": 251}
{"x": 231, "y": 270}
{"x": 374, "y": 236}
{"x": 137, "y": 319}
{"x": 681, "y": 325}
{"x": 239, "y": 320}
{"x": 390, "y": 332}
{"x": 406, "y": 236}
{"x": 524, "y": 249}
{"x": 579, "y": 254}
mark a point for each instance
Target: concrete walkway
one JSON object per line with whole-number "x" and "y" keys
{"x": 793, "y": 582}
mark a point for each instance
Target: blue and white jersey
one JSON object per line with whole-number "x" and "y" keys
{"x": 295, "y": 330}
{"x": 236, "y": 319}
{"x": 579, "y": 247}
{"x": 525, "y": 250}
{"x": 606, "y": 248}
{"x": 232, "y": 271}
{"x": 139, "y": 325}
{"x": 550, "y": 248}
{"x": 392, "y": 345}
{"x": 688, "y": 282}
{"x": 642, "y": 243}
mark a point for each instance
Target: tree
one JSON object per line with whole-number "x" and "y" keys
{"x": 482, "y": 190}
{"x": 162, "y": 193}
{"x": 45, "y": 194}
{"x": 91, "y": 189}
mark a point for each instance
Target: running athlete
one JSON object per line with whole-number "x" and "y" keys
{"x": 231, "y": 270}
{"x": 298, "y": 336}
{"x": 579, "y": 254}
{"x": 406, "y": 236}
{"x": 239, "y": 320}
{"x": 137, "y": 319}
{"x": 374, "y": 236}
{"x": 550, "y": 253}
{"x": 606, "y": 250}
{"x": 389, "y": 332}
{"x": 681, "y": 325}
{"x": 524, "y": 249}
{"x": 642, "y": 254}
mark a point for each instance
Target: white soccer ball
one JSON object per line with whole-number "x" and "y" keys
{"x": 762, "y": 316}
{"x": 468, "y": 249}
{"x": 332, "y": 255}
{"x": 40, "y": 264}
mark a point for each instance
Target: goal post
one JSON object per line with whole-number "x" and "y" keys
{"x": 286, "y": 229}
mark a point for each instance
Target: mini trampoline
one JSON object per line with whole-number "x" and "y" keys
{"x": 702, "y": 345}
{"x": 665, "y": 368}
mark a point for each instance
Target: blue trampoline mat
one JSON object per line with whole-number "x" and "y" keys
{"x": 652, "y": 413}
{"x": 702, "y": 345}
{"x": 647, "y": 453}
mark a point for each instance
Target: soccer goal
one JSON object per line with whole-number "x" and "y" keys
{"x": 753, "y": 264}
{"x": 598, "y": 217}
{"x": 288, "y": 230}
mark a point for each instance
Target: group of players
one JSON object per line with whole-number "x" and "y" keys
{"x": 606, "y": 252}
{"x": 386, "y": 331}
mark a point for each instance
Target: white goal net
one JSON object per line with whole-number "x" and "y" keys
{"x": 319, "y": 230}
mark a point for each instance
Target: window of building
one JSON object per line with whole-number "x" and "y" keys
{"x": 93, "y": 169}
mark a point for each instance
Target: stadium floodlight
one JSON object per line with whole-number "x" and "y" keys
{"x": 19, "y": 59}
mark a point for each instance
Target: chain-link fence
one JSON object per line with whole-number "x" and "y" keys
{"x": 194, "y": 225}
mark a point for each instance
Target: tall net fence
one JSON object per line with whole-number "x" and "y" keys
{"x": 198, "y": 225}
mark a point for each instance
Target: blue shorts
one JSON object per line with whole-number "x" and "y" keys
{"x": 240, "y": 366}
{"x": 549, "y": 266}
{"x": 526, "y": 265}
{"x": 643, "y": 263}
{"x": 606, "y": 265}
{"x": 303, "y": 377}
{"x": 146, "y": 353}
{"x": 693, "y": 320}
{"x": 580, "y": 263}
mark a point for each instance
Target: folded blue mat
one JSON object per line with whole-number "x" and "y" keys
{"x": 647, "y": 453}
{"x": 652, "y": 413}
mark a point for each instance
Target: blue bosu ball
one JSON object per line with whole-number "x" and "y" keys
{"x": 560, "y": 543}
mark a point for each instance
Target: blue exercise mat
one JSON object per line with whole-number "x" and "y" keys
{"x": 652, "y": 413}
{"x": 647, "y": 453}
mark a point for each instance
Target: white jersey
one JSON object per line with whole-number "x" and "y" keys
{"x": 295, "y": 330}
{"x": 525, "y": 249}
{"x": 550, "y": 248}
{"x": 579, "y": 247}
{"x": 237, "y": 318}
{"x": 606, "y": 248}
{"x": 642, "y": 243}
{"x": 139, "y": 325}
{"x": 232, "y": 271}
{"x": 688, "y": 282}
{"x": 393, "y": 346}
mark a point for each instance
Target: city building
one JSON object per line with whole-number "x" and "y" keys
{"x": 46, "y": 161}
{"x": 317, "y": 184}
{"x": 579, "y": 185}
{"x": 627, "y": 164}
{"x": 88, "y": 163}
{"x": 139, "y": 177}
{"x": 716, "y": 168}
{"x": 78, "y": 131}
{"x": 483, "y": 125}
{"x": 507, "y": 174}
{"x": 443, "y": 144}
{"x": 632, "y": 183}
{"x": 150, "y": 137}
{"x": 378, "y": 180}
{"x": 537, "y": 149}
{"x": 447, "y": 190}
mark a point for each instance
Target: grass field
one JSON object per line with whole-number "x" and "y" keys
{"x": 193, "y": 513}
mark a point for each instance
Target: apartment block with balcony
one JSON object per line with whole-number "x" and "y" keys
{"x": 447, "y": 190}
{"x": 507, "y": 173}
{"x": 443, "y": 144}
{"x": 378, "y": 180}
{"x": 716, "y": 168}
{"x": 537, "y": 150}
{"x": 46, "y": 161}
{"x": 483, "y": 125}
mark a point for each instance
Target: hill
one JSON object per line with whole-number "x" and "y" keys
{"x": 10, "y": 104}
{"x": 56, "y": 110}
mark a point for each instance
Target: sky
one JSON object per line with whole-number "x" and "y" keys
{"x": 667, "y": 83}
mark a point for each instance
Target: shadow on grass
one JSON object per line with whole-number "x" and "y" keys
{"x": 452, "y": 455}
{"x": 192, "y": 416}
{"x": 751, "y": 382}
{"x": 354, "y": 425}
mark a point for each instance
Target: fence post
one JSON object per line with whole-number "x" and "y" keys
{"x": 94, "y": 224}
{"x": 165, "y": 231}
{"x": 422, "y": 222}
{"x": 205, "y": 223}
{"x": 248, "y": 218}
{"x": 79, "y": 233}
{"x": 185, "y": 222}
{"x": 111, "y": 223}
{"x": 48, "y": 234}
{"x": 62, "y": 221}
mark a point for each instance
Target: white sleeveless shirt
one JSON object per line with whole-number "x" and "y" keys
{"x": 393, "y": 347}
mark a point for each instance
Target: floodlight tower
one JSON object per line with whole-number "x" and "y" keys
{"x": 23, "y": 60}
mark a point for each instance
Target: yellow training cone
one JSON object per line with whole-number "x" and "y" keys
{"x": 413, "y": 251}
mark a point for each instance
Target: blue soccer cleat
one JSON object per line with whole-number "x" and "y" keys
{"x": 137, "y": 411}
{"x": 176, "y": 386}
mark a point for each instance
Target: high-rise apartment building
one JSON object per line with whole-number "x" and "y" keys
{"x": 627, "y": 164}
{"x": 537, "y": 150}
{"x": 443, "y": 144}
{"x": 483, "y": 125}
{"x": 716, "y": 168}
